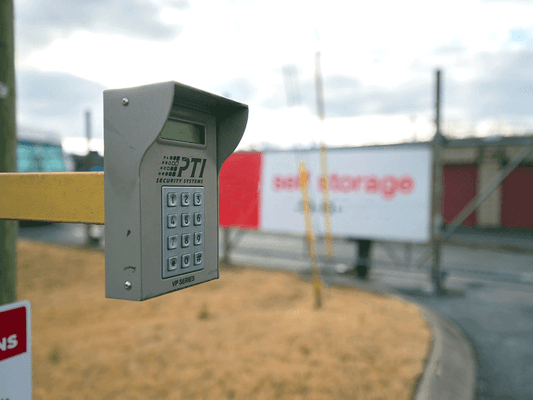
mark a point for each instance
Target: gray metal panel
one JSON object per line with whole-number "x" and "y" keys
{"x": 128, "y": 132}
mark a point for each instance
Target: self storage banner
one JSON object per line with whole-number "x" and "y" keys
{"x": 379, "y": 192}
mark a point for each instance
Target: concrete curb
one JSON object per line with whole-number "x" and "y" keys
{"x": 450, "y": 370}
{"x": 519, "y": 246}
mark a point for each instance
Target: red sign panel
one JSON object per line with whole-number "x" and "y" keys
{"x": 12, "y": 333}
{"x": 239, "y": 183}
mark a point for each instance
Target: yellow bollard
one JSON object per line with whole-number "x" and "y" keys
{"x": 327, "y": 207}
{"x": 317, "y": 284}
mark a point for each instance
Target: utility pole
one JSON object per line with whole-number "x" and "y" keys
{"x": 88, "y": 131}
{"x": 328, "y": 236}
{"x": 436, "y": 212}
{"x": 8, "y": 146}
{"x": 319, "y": 91}
{"x": 88, "y": 160}
{"x": 292, "y": 85}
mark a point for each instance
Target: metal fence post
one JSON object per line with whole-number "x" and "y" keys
{"x": 436, "y": 204}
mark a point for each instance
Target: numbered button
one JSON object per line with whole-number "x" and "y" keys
{"x": 198, "y": 218}
{"x": 198, "y": 257}
{"x": 172, "y": 220}
{"x": 186, "y": 240}
{"x": 172, "y": 263}
{"x": 185, "y": 260}
{"x": 185, "y": 199}
{"x": 172, "y": 242}
{"x": 185, "y": 219}
{"x": 197, "y": 198}
{"x": 197, "y": 238}
{"x": 172, "y": 199}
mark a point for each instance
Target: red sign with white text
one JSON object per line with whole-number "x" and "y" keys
{"x": 12, "y": 333}
{"x": 15, "y": 351}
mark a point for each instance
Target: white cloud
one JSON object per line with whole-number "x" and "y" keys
{"x": 389, "y": 47}
{"x": 290, "y": 126}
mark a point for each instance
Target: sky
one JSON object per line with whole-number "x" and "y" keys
{"x": 378, "y": 61}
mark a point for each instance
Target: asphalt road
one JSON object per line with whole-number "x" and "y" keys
{"x": 489, "y": 290}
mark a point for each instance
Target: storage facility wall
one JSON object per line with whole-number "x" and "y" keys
{"x": 460, "y": 187}
{"x": 517, "y": 198}
{"x": 470, "y": 169}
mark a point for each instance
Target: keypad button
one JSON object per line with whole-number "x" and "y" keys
{"x": 172, "y": 242}
{"x": 198, "y": 218}
{"x": 183, "y": 247}
{"x": 172, "y": 199}
{"x": 185, "y": 199}
{"x": 186, "y": 240}
{"x": 197, "y": 238}
{"x": 172, "y": 220}
{"x": 172, "y": 263}
{"x": 197, "y": 198}
{"x": 198, "y": 257}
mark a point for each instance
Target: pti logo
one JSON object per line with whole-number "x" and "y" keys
{"x": 12, "y": 333}
{"x": 176, "y": 165}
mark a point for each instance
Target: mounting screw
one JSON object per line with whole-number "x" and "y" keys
{"x": 127, "y": 285}
{"x": 125, "y": 101}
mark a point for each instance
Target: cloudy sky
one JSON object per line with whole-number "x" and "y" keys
{"x": 378, "y": 61}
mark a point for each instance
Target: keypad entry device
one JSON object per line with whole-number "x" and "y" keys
{"x": 165, "y": 144}
{"x": 183, "y": 230}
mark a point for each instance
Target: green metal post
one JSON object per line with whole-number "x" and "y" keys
{"x": 8, "y": 143}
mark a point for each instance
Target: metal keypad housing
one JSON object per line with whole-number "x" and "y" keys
{"x": 183, "y": 247}
{"x": 145, "y": 127}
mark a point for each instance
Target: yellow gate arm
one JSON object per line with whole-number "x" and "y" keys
{"x": 76, "y": 197}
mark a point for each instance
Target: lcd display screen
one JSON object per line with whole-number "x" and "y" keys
{"x": 183, "y": 132}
